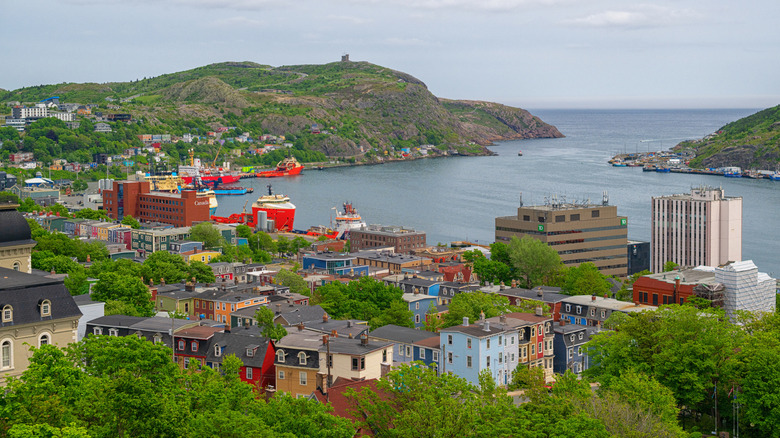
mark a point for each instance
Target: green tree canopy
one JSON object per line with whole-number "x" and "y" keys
{"x": 131, "y": 222}
{"x": 585, "y": 279}
{"x": 268, "y": 328}
{"x": 535, "y": 262}
{"x": 295, "y": 282}
{"x": 129, "y": 290}
{"x": 207, "y": 233}
{"x": 367, "y": 299}
{"x": 473, "y": 305}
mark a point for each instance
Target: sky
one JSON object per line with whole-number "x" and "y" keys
{"x": 525, "y": 53}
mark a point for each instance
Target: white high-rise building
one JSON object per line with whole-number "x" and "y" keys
{"x": 700, "y": 228}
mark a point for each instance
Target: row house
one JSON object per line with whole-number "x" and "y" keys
{"x": 147, "y": 241}
{"x": 410, "y": 345}
{"x": 121, "y": 234}
{"x": 419, "y": 304}
{"x": 569, "y": 347}
{"x": 220, "y": 303}
{"x": 415, "y": 285}
{"x": 102, "y": 231}
{"x": 590, "y": 310}
{"x": 234, "y": 271}
{"x": 286, "y": 314}
{"x": 395, "y": 263}
{"x": 306, "y": 361}
{"x": 200, "y": 255}
{"x": 155, "y": 329}
{"x": 448, "y": 290}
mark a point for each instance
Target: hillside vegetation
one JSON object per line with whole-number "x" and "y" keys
{"x": 752, "y": 142}
{"x": 362, "y": 106}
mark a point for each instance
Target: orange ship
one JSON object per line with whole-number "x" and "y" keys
{"x": 287, "y": 167}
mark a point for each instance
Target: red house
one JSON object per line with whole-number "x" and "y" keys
{"x": 255, "y": 352}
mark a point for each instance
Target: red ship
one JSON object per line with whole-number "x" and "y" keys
{"x": 192, "y": 172}
{"x": 287, "y": 167}
{"x": 277, "y": 208}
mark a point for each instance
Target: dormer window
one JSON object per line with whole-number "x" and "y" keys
{"x": 8, "y": 313}
{"x": 45, "y": 308}
{"x": 217, "y": 351}
{"x": 302, "y": 358}
{"x": 181, "y": 345}
{"x": 280, "y": 356}
{"x": 194, "y": 345}
{"x": 250, "y": 352}
{"x": 97, "y": 330}
{"x": 113, "y": 332}
{"x": 157, "y": 338}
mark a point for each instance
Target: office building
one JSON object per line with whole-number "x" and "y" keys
{"x": 580, "y": 232}
{"x": 403, "y": 240}
{"x": 700, "y": 228}
{"x": 135, "y": 198}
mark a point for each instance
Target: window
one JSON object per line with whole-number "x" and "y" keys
{"x": 384, "y": 355}
{"x": 512, "y": 357}
{"x": 157, "y": 338}
{"x": 408, "y": 351}
{"x": 44, "y": 340}
{"x": 500, "y": 340}
{"x": 468, "y": 361}
{"x": 533, "y": 332}
{"x": 568, "y": 307}
{"x": 17, "y": 266}
{"x": 488, "y": 342}
{"x": 181, "y": 345}
{"x": 301, "y": 358}
{"x": 45, "y": 308}
{"x": 5, "y": 352}
{"x": 593, "y": 312}
{"x": 500, "y": 357}
{"x": 449, "y": 339}
{"x": 512, "y": 340}
{"x": 249, "y": 373}
{"x": 521, "y": 335}
{"x": 580, "y": 336}
{"x": 533, "y": 349}
{"x": 113, "y": 332}
{"x": 211, "y": 306}
{"x": 540, "y": 348}
{"x": 97, "y": 330}
{"x": 400, "y": 350}
{"x": 579, "y": 310}
{"x": 604, "y": 314}
{"x": 449, "y": 357}
{"x": 417, "y": 319}
{"x": 560, "y": 218}
{"x": 574, "y": 217}
{"x": 579, "y": 350}
{"x": 330, "y": 360}
{"x": 488, "y": 362}
{"x": 194, "y": 346}
{"x": 280, "y": 355}
{"x": 571, "y": 352}
{"x": 358, "y": 363}
{"x": 417, "y": 305}
{"x": 8, "y": 313}
{"x": 435, "y": 356}
{"x": 595, "y": 213}
{"x": 526, "y": 218}
{"x": 281, "y": 375}
{"x": 217, "y": 351}
{"x": 468, "y": 343}
{"x": 302, "y": 377}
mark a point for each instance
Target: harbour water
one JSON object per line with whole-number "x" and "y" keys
{"x": 458, "y": 198}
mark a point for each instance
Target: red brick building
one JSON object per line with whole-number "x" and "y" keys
{"x": 674, "y": 287}
{"x": 135, "y": 198}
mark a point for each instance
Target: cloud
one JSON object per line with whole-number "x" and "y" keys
{"x": 234, "y": 22}
{"x": 349, "y": 19}
{"x": 641, "y": 16}
{"x": 395, "y": 41}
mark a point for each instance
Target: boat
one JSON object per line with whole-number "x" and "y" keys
{"x": 619, "y": 164}
{"x": 775, "y": 176}
{"x": 732, "y": 174}
{"x": 270, "y": 207}
{"x": 320, "y": 230}
{"x": 519, "y": 153}
{"x": 663, "y": 169}
{"x": 213, "y": 178}
{"x": 221, "y": 191}
{"x": 649, "y": 168}
{"x": 287, "y": 167}
{"x": 348, "y": 220}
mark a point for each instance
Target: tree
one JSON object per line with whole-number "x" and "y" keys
{"x": 207, "y": 233}
{"x": 397, "y": 314}
{"x": 530, "y": 306}
{"x": 162, "y": 264}
{"x": 129, "y": 290}
{"x": 79, "y": 185}
{"x": 473, "y": 305}
{"x": 295, "y": 282}
{"x": 670, "y": 266}
{"x": 88, "y": 213}
{"x": 268, "y": 328}
{"x": 366, "y": 299}
{"x": 8, "y": 197}
{"x": 201, "y": 272}
{"x": 586, "y": 279}
{"x": 131, "y": 222}
{"x": 433, "y": 320}
{"x": 534, "y": 260}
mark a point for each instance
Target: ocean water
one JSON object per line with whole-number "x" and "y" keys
{"x": 458, "y": 198}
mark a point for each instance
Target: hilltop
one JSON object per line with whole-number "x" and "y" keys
{"x": 358, "y": 106}
{"x": 752, "y": 142}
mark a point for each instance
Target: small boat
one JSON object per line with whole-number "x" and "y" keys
{"x": 519, "y": 153}
{"x": 663, "y": 169}
{"x": 232, "y": 190}
{"x": 649, "y": 168}
{"x": 775, "y": 176}
{"x": 733, "y": 174}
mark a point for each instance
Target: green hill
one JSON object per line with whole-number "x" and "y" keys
{"x": 752, "y": 142}
{"x": 362, "y": 106}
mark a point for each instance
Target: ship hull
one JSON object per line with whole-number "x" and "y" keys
{"x": 284, "y": 218}
{"x": 278, "y": 173}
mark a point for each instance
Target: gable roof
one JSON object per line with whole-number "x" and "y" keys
{"x": 397, "y": 333}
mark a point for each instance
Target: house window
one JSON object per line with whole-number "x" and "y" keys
{"x": 521, "y": 335}
{"x": 113, "y": 332}
{"x": 194, "y": 345}
{"x": 571, "y": 338}
{"x": 97, "y": 330}
{"x": 579, "y": 350}
{"x": 603, "y": 314}
{"x": 571, "y": 352}
{"x": 17, "y": 266}
{"x": 593, "y": 312}
{"x": 384, "y": 355}
{"x": 5, "y": 352}
{"x": 580, "y": 336}
{"x": 540, "y": 348}
{"x": 181, "y": 345}
{"x": 488, "y": 343}
{"x": 513, "y": 357}
{"x": 512, "y": 340}
{"x": 468, "y": 343}
{"x": 449, "y": 339}
{"x": 301, "y": 358}
{"x": 303, "y": 378}
{"x": 449, "y": 357}
{"x": 217, "y": 351}
{"x": 533, "y": 349}
{"x": 417, "y": 319}
{"x": 500, "y": 357}
{"x": 488, "y": 362}
{"x": 157, "y": 338}
{"x": 435, "y": 356}
{"x": 44, "y": 340}
{"x": 358, "y": 363}
{"x": 280, "y": 355}
{"x": 281, "y": 375}
{"x": 547, "y": 328}
{"x": 249, "y": 373}
{"x": 46, "y": 308}
{"x": 417, "y": 305}
{"x": 533, "y": 332}
{"x": 499, "y": 340}
{"x": 468, "y": 361}
{"x": 8, "y": 313}
{"x": 568, "y": 307}
{"x": 579, "y": 310}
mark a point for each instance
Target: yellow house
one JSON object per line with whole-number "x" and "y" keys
{"x": 102, "y": 230}
{"x": 200, "y": 255}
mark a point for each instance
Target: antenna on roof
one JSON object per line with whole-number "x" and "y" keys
{"x": 521, "y": 199}
{"x": 605, "y": 199}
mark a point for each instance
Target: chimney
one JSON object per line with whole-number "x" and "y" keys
{"x": 349, "y": 323}
{"x": 350, "y": 336}
{"x": 593, "y": 298}
{"x": 562, "y": 322}
{"x": 162, "y": 281}
{"x": 605, "y": 295}
{"x": 364, "y": 339}
{"x": 486, "y": 326}
{"x": 465, "y": 321}
{"x": 324, "y": 339}
{"x": 334, "y": 333}
{"x": 514, "y": 284}
{"x": 502, "y": 318}
{"x": 52, "y": 272}
{"x": 278, "y": 308}
{"x": 539, "y": 292}
{"x": 89, "y": 259}
{"x": 481, "y": 315}
{"x": 539, "y": 311}
{"x": 324, "y": 317}
{"x": 300, "y": 326}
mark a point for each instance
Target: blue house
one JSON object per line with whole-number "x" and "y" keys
{"x": 419, "y": 305}
{"x": 410, "y": 345}
{"x": 420, "y": 285}
{"x": 468, "y": 349}
{"x": 569, "y": 347}
{"x": 329, "y": 261}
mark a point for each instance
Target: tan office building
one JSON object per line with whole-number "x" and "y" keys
{"x": 700, "y": 228}
{"x": 580, "y": 233}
